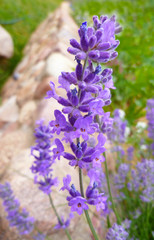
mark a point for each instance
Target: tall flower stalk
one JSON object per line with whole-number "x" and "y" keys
{"x": 87, "y": 92}
{"x": 42, "y": 166}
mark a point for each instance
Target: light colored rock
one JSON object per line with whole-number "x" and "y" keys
{"x": 27, "y": 113}
{"x": 6, "y": 44}
{"x": 43, "y": 87}
{"x": 23, "y": 64}
{"x": 57, "y": 63}
{"x": 45, "y": 52}
{"x": 9, "y": 111}
{"x": 45, "y": 109}
{"x": 8, "y": 127}
{"x": 26, "y": 91}
{"x": 11, "y": 143}
{"x": 9, "y": 89}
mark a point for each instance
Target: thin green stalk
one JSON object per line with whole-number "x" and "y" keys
{"x": 108, "y": 222}
{"x": 108, "y": 181}
{"x": 109, "y": 189}
{"x": 147, "y": 219}
{"x": 59, "y": 219}
{"x": 86, "y": 211}
{"x": 80, "y": 170}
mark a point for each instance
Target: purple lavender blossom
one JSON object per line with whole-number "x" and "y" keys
{"x": 46, "y": 183}
{"x": 117, "y": 232}
{"x": 87, "y": 92}
{"x": 39, "y": 236}
{"x": 84, "y": 155}
{"x": 117, "y": 134}
{"x": 84, "y": 126}
{"x": 119, "y": 150}
{"x": 75, "y": 200}
{"x": 58, "y": 151}
{"x": 66, "y": 182}
{"x": 95, "y": 198}
{"x": 130, "y": 152}
{"x": 106, "y": 123}
{"x": 58, "y": 124}
{"x": 143, "y": 180}
{"x": 98, "y": 42}
{"x": 150, "y": 117}
{"x": 17, "y": 217}
{"x": 42, "y": 152}
{"x": 120, "y": 178}
{"x": 78, "y": 204}
{"x": 44, "y": 158}
{"x": 96, "y": 175}
{"x": 64, "y": 224}
{"x": 52, "y": 92}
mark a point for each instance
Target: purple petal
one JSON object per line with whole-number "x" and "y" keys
{"x": 74, "y": 43}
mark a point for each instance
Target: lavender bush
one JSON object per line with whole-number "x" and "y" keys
{"x": 83, "y": 117}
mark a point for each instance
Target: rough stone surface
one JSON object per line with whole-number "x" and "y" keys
{"x": 9, "y": 111}
{"x": 6, "y": 44}
{"x": 56, "y": 63}
{"x": 27, "y": 113}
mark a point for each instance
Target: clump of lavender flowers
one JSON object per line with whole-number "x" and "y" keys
{"x": 45, "y": 156}
{"x": 17, "y": 217}
{"x": 42, "y": 166}
{"x": 150, "y": 118}
{"x": 143, "y": 180}
{"x": 118, "y": 133}
{"x": 88, "y": 91}
{"x": 117, "y": 232}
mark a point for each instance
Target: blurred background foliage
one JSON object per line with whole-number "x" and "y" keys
{"x": 133, "y": 69}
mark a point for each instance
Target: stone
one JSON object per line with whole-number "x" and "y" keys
{"x": 9, "y": 89}
{"x": 8, "y": 127}
{"x": 37, "y": 69}
{"x": 45, "y": 52}
{"x": 45, "y": 109}
{"x": 43, "y": 87}
{"x": 27, "y": 113}
{"x": 23, "y": 64}
{"x": 57, "y": 63}
{"x": 9, "y": 111}
{"x": 11, "y": 143}
{"x": 26, "y": 91}
{"x": 6, "y": 44}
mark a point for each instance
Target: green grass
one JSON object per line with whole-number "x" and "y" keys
{"x": 134, "y": 75}
{"x": 31, "y": 13}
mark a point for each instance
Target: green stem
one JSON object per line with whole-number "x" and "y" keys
{"x": 109, "y": 189}
{"x": 147, "y": 219}
{"x": 59, "y": 219}
{"x": 108, "y": 222}
{"x": 80, "y": 170}
{"x": 86, "y": 211}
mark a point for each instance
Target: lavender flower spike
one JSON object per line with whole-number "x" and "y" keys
{"x": 116, "y": 232}
{"x": 17, "y": 218}
{"x": 44, "y": 158}
{"x": 87, "y": 92}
